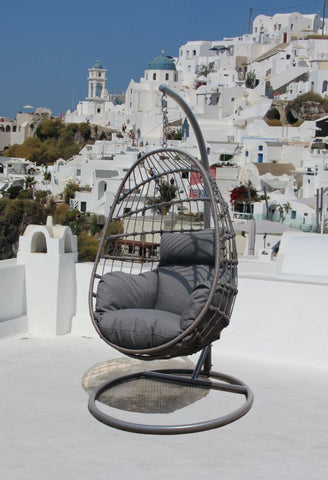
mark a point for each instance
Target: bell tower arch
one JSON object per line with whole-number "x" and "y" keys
{"x": 97, "y": 82}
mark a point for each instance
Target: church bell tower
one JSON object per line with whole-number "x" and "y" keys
{"x": 97, "y": 82}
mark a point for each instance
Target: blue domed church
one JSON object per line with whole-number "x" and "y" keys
{"x": 161, "y": 69}
{"x": 143, "y": 96}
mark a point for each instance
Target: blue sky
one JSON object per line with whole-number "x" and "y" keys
{"x": 47, "y": 47}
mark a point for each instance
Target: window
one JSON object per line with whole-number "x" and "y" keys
{"x": 98, "y": 110}
{"x": 83, "y": 206}
{"x": 194, "y": 53}
{"x": 166, "y": 76}
{"x": 154, "y": 76}
{"x": 288, "y": 57}
{"x": 261, "y": 148}
{"x": 293, "y": 214}
{"x": 246, "y": 153}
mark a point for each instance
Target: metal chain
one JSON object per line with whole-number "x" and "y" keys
{"x": 165, "y": 119}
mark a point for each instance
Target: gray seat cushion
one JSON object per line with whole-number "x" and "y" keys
{"x": 139, "y": 328}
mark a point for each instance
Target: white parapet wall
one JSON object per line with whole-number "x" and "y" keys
{"x": 13, "y": 306}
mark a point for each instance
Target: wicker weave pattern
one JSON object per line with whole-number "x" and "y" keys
{"x": 169, "y": 191}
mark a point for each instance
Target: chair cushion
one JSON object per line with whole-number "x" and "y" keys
{"x": 197, "y": 248}
{"x": 119, "y": 290}
{"x": 139, "y": 328}
{"x": 195, "y": 305}
{"x": 175, "y": 284}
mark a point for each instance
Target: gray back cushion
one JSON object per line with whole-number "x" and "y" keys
{"x": 197, "y": 248}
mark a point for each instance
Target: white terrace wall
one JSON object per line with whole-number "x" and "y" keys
{"x": 13, "y": 306}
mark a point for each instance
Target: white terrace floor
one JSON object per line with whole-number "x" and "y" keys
{"x": 48, "y": 433}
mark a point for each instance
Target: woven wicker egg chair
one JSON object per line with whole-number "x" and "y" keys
{"x": 165, "y": 278}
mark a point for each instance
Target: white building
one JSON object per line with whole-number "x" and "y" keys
{"x": 24, "y": 126}
{"x": 98, "y": 169}
{"x": 284, "y": 26}
{"x": 13, "y": 171}
{"x": 99, "y": 107}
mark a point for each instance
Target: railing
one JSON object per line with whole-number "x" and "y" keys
{"x": 288, "y": 222}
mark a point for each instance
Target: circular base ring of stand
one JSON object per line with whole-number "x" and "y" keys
{"x": 227, "y": 384}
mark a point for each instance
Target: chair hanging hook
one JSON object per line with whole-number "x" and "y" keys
{"x": 165, "y": 119}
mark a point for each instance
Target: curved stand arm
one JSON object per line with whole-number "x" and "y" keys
{"x": 198, "y": 133}
{"x": 191, "y": 117}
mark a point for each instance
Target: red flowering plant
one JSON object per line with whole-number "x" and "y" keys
{"x": 241, "y": 195}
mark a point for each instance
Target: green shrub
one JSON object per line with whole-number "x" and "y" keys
{"x": 88, "y": 247}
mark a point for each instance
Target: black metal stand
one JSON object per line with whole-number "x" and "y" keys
{"x": 183, "y": 377}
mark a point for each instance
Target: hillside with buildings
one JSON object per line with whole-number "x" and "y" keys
{"x": 260, "y": 100}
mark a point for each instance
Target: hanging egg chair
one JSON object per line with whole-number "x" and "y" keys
{"x": 165, "y": 276}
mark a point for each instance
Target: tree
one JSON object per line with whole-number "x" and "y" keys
{"x": 30, "y": 149}
{"x": 283, "y": 210}
{"x": 13, "y": 192}
{"x": 242, "y": 196}
{"x": 205, "y": 70}
{"x": 250, "y": 81}
{"x": 167, "y": 192}
{"x": 29, "y": 185}
{"x": 70, "y": 190}
{"x": 50, "y": 129}
{"x": 88, "y": 247}
{"x": 85, "y": 131}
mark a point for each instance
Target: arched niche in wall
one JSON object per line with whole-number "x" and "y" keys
{"x": 39, "y": 243}
{"x": 68, "y": 243}
{"x": 102, "y": 187}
